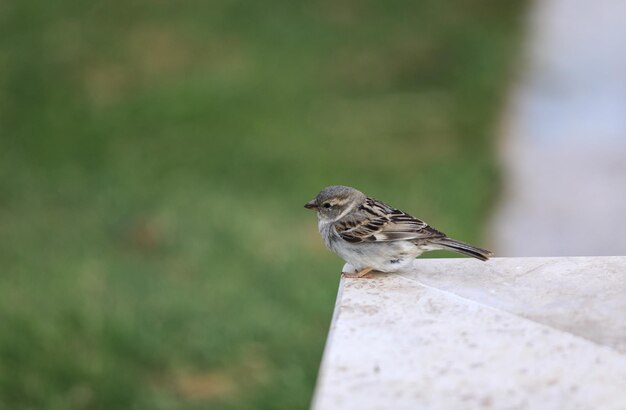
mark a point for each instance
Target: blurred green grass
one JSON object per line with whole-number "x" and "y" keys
{"x": 154, "y": 160}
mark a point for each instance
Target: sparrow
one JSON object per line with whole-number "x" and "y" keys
{"x": 371, "y": 235}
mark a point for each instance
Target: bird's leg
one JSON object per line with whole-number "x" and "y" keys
{"x": 358, "y": 274}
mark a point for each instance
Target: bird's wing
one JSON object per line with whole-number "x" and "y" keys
{"x": 375, "y": 221}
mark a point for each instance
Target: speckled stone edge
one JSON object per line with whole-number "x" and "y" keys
{"x": 395, "y": 343}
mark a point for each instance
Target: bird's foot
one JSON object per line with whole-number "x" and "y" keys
{"x": 359, "y": 274}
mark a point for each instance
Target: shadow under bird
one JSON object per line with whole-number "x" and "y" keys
{"x": 371, "y": 235}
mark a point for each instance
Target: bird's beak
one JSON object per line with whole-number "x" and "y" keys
{"x": 311, "y": 204}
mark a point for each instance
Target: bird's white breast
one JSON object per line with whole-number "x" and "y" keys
{"x": 381, "y": 256}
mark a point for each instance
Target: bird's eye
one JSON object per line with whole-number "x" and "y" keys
{"x": 326, "y": 205}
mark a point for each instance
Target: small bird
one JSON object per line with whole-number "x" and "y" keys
{"x": 371, "y": 235}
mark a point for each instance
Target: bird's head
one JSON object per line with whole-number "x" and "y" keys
{"x": 334, "y": 202}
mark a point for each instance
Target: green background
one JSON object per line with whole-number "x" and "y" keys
{"x": 154, "y": 160}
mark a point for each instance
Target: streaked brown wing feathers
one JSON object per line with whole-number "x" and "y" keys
{"x": 375, "y": 221}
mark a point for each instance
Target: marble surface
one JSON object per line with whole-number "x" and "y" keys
{"x": 512, "y": 333}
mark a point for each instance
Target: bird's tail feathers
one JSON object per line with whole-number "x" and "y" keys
{"x": 464, "y": 248}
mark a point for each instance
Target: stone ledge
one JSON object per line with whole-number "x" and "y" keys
{"x": 512, "y": 333}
